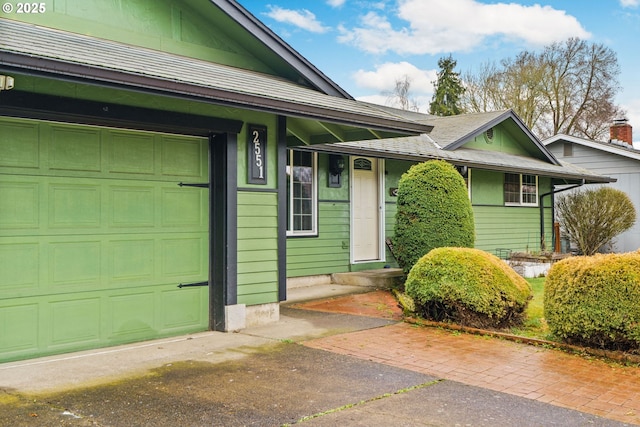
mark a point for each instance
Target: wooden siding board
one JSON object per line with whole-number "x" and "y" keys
{"x": 596, "y": 160}
{"x": 329, "y": 250}
{"x": 257, "y": 278}
{"x": 257, "y": 247}
{"x": 258, "y": 298}
{"x": 514, "y": 228}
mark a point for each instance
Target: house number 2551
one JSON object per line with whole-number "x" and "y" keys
{"x": 257, "y": 150}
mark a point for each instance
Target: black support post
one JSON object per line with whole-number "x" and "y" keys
{"x": 282, "y": 207}
{"x": 223, "y": 242}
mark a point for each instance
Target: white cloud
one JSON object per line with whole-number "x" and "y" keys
{"x": 383, "y": 80}
{"x": 629, "y": 3}
{"x": 439, "y": 26}
{"x": 303, "y": 19}
{"x": 335, "y": 3}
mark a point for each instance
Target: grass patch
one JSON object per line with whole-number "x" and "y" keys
{"x": 535, "y": 325}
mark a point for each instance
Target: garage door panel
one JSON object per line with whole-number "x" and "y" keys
{"x": 131, "y": 206}
{"x": 131, "y": 316}
{"x": 131, "y": 153}
{"x": 181, "y": 157}
{"x": 75, "y": 322}
{"x": 19, "y": 268}
{"x": 74, "y": 205}
{"x": 20, "y": 145}
{"x": 184, "y": 207}
{"x": 75, "y": 264}
{"x": 19, "y": 328}
{"x": 20, "y": 205}
{"x": 181, "y": 258}
{"x": 132, "y": 261}
{"x": 95, "y": 236}
{"x": 75, "y": 149}
{"x": 177, "y": 307}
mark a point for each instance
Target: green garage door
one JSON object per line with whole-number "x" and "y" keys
{"x": 95, "y": 236}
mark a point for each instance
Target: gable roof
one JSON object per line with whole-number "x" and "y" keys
{"x": 452, "y": 132}
{"x": 44, "y": 51}
{"x": 621, "y": 149}
{"x": 273, "y": 42}
{"x": 421, "y": 148}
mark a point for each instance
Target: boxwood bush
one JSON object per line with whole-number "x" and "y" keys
{"x": 434, "y": 211}
{"x": 595, "y": 301}
{"x": 468, "y": 286}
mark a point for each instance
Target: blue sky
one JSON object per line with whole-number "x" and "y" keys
{"x": 366, "y": 45}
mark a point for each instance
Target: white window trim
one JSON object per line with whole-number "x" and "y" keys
{"x": 521, "y": 203}
{"x": 314, "y": 231}
{"x": 469, "y": 183}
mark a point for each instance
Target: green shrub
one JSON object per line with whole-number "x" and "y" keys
{"x": 468, "y": 286}
{"x": 595, "y": 301}
{"x": 434, "y": 211}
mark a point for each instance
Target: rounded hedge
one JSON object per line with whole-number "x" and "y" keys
{"x": 468, "y": 286}
{"x": 595, "y": 301}
{"x": 433, "y": 210}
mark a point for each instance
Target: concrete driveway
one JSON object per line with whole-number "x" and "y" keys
{"x": 261, "y": 377}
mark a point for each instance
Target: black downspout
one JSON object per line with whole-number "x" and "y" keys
{"x": 550, "y": 193}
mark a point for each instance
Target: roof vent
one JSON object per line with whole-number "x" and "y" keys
{"x": 488, "y": 135}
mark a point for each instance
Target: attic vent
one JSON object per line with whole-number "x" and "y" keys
{"x": 488, "y": 135}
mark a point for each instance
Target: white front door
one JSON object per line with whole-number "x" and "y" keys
{"x": 366, "y": 208}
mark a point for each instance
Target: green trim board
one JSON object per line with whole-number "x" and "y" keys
{"x": 59, "y": 108}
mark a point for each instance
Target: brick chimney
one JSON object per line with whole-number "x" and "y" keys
{"x": 621, "y": 131}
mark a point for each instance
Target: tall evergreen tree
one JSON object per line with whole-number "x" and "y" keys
{"x": 446, "y": 100}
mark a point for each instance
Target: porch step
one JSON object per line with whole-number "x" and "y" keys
{"x": 382, "y": 278}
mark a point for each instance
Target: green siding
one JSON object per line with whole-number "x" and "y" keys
{"x": 507, "y": 138}
{"x": 497, "y": 226}
{"x": 487, "y": 187}
{"x": 95, "y": 236}
{"x": 257, "y": 248}
{"x": 389, "y": 231}
{"x": 164, "y": 25}
{"x": 329, "y": 251}
{"x": 513, "y": 228}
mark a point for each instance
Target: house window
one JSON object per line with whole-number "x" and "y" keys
{"x": 301, "y": 190}
{"x": 520, "y": 190}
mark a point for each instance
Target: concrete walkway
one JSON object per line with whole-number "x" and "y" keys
{"x": 358, "y": 365}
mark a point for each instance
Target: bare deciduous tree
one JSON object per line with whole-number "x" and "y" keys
{"x": 401, "y": 95}
{"x": 567, "y": 88}
{"x": 592, "y": 218}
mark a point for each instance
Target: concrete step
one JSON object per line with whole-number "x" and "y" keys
{"x": 382, "y": 278}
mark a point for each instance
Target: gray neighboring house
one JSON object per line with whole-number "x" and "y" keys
{"x": 616, "y": 158}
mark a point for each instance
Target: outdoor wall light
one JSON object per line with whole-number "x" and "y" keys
{"x": 336, "y": 166}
